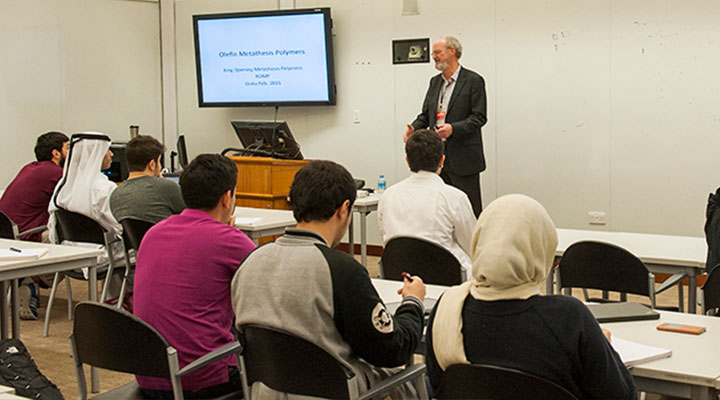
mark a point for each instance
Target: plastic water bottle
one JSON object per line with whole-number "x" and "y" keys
{"x": 382, "y": 184}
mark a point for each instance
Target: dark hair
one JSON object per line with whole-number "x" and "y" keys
{"x": 424, "y": 150}
{"x": 206, "y": 179}
{"x": 141, "y": 150}
{"x": 319, "y": 189}
{"x": 47, "y": 142}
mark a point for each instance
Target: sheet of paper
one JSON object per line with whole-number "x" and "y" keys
{"x": 247, "y": 220}
{"x": 633, "y": 353}
{"x": 23, "y": 254}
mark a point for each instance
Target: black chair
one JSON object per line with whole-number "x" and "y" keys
{"x": 106, "y": 337}
{"x": 607, "y": 267}
{"x": 76, "y": 227}
{"x": 711, "y": 292}
{"x": 488, "y": 382}
{"x": 289, "y": 364}
{"x": 9, "y": 229}
{"x": 133, "y": 232}
{"x": 431, "y": 262}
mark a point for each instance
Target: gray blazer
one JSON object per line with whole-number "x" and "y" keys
{"x": 467, "y": 113}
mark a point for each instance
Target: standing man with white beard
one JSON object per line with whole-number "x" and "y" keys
{"x": 456, "y": 108}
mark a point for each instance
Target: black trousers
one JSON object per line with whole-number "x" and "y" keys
{"x": 470, "y": 184}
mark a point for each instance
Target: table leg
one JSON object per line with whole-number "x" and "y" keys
{"x": 351, "y": 235}
{"x": 692, "y": 293}
{"x": 4, "y": 313}
{"x": 363, "y": 238}
{"x": 92, "y": 296}
{"x": 15, "y": 310}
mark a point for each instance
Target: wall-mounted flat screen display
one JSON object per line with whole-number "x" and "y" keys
{"x": 265, "y": 58}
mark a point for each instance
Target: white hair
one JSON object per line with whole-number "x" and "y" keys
{"x": 453, "y": 43}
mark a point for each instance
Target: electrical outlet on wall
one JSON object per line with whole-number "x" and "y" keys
{"x": 596, "y": 218}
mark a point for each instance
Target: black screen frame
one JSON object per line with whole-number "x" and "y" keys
{"x": 332, "y": 88}
{"x": 182, "y": 152}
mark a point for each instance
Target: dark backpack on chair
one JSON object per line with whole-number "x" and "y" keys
{"x": 18, "y": 370}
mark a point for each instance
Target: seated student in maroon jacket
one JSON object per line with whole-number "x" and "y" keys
{"x": 27, "y": 197}
{"x": 25, "y": 202}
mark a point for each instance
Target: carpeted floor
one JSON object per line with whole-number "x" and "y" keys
{"x": 53, "y": 355}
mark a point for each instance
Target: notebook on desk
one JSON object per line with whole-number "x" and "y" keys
{"x": 428, "y": 302}
{"x": 13, "y": 254}
{"x": 632, "y": 353}
{"x": 621, "y": 312}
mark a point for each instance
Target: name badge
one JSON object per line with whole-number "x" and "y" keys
{"x": 440, "y": 118}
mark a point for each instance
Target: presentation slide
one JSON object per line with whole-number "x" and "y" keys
{"x": 263, "y": 59}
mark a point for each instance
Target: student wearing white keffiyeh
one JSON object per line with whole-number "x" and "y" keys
{"x": 84, "y": 189}
{"x": 500, "y": 317}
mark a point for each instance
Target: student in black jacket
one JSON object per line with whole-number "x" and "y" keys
{"x": 500, "y": 317}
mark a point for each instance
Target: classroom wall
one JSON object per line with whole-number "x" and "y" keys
{"x": 76, "y": 65}
{"x": 607, "y": 106}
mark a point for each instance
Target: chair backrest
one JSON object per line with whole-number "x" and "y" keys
{"x": 78, "y": 228}
{"x": 711, "y": 290}
{"x": 287, "y": 363}
{"x": 133, "y": 232}
{"x": 8, "y": 229}
{"x": 431, "y": 262}
{"x": 603, "y": 266}
{"x": 113, "y": 339}
{"x": 475, "y": 381}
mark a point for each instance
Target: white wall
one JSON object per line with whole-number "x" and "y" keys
{"x": 606, "y": 106}
{"x": 593, "y": 105}
{"x": 76, "y": 65}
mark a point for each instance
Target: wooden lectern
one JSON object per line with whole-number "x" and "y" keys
{"x": 264, "y": 182}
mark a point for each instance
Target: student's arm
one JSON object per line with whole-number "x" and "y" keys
{"x": 464, "y": 223}
{"x": 604, "y": 375}
{"x": 362, "y": 319}
{"x": 173, "y": 196}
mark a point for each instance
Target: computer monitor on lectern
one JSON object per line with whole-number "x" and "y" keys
{"x": 268, "y": 139}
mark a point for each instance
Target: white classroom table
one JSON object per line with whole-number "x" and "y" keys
{"x": 693, "y": 370}
{"x": 271, "y": 222}
{"x": 661, "y": 253}
{"x": 362, "y": 206}
{"x": 58, "y": 259}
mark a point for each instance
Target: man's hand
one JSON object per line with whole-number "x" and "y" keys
{"x": 444, "y": 130}
{"x": 231, "y": 221}
{"x": 607, "y": 334}
{"x": 408, "y": 132}
{"x": 413, "y": 286}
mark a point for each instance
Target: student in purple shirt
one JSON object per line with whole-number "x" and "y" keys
{"x": 182, "y": 280}
{"x": 25, "y": 202}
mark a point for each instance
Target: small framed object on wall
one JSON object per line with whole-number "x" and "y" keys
{"x": 409, "y": 51}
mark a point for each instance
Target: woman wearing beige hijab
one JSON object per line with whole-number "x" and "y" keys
{"x": 500, "y": 317}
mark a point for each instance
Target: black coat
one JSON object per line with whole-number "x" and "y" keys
{"x": 712, "y": 230}
{"x": 467, "y": 113}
